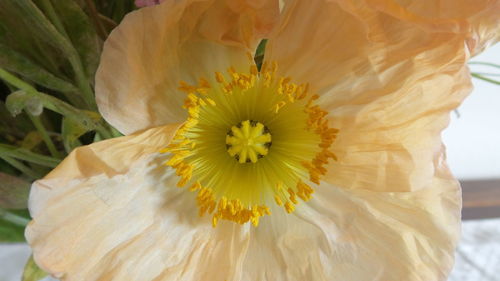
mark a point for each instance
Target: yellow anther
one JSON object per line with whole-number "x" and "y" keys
{"x": 289, "y": 207}
{"x": 278, "y": 106}
{"x": 191, "y": 123}
{"x": 210, "y": 101}
{"x": 219, "y": 77}
{"x": 254, "y": 70}
{"x": 185, "y": 87}
{"x": 195, "y": 187}
{"x": 183, "y": 181}
{"x": 278, "y": 200}
{"x": 279, "y": 186}
{"x": 203, "y": 83}
{"x": 304, "y": 149}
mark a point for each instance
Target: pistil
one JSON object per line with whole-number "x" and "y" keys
{"x": 248, "y": 141}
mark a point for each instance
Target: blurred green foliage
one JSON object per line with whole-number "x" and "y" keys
{"x": 32, "y": 272}
{"x": 49, "y": 53}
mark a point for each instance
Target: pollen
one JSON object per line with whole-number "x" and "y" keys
{"x": 253, "y": 143}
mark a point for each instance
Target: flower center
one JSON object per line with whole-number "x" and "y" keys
{"x": 248, "y": 141}
{"x": 278, "y": 158}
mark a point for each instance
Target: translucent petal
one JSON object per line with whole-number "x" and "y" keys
{"x": 389, "y": 72}
{"x": 115, "y": 223}
{"x": 352, "y": 235}
{"x": 154, "y": 48}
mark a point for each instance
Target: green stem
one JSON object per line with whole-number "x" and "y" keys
{"x": 45, "y": 136}
{"x": 97, "y": 21}
{"x": 485, "y": 63}
{"x": 104, "y": 132}
{"x": 115, "y": 132}
{"x": 74, "y": 57}
{"x": 54, "y": 104}
{"x": 51, "y": 13}
{"x": 64, "y": 43}
{"x": 487, "y": 74}
{"x": 14, "y": 81}
{"x": 13, "y": 218}
{"x": 478, "y": 76}
{"x": 21, "y": 167}
{"x": 26, "y": 155}
{"x": 109, "y": 22}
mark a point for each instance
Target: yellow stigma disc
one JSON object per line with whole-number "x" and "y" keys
{"x": 248, "y": 141}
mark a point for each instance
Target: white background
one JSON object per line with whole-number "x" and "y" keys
{"x": 473, "y": 139}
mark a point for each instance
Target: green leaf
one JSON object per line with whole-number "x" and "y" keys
{"x": 10, "y": 232}
{"x": 115, "y": 9}
{"x": 52, "y": 103}
{"x": 32, "y": 272}
{"x": 6, "y": 167}
{"x": 49, "y": 34}
{"x": 12, "y": 224}
{"x": 12, "y": 129}
{"x": 83, "y": 35}
{"x": 18, "y": 63}
{"x": 26, "y": 155}
{"x": 13, "y": 192}
{"x": 259, "y": 53}
{"x": 71, "y": 130}
{"x": 19, "y": 34}
{"x": 485, "y": 64}
{"x": 261, "y": 48}
{"x": 31, "y": 140}
{"x": 482, "y": 77}
{"x": 20, "y": 100}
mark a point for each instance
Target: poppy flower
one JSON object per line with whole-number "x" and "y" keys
{"x": 325, "y": 164}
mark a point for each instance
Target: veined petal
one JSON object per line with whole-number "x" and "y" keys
{"x": 388, "y": 81}
{"x": 341, "y": 35}
{"x": 352, "y": 235}
{"x": 154, "y": 48}
{"x": 479, "y": 20}
{"x": 112, "y": 157}
{"x": 138, "y": 226}
{"x": 127, "y": 223}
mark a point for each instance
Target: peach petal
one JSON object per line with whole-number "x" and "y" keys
{"x": 124, "y": 219}
{"x": 154, "y": 48}
{"x": 352, "y": 235}
{"x": 389, "y": 77}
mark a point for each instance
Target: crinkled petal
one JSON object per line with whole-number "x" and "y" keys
{"x": 153, "y": 49}
{"x": 388, "y": 76}
{"x": 126, "y": 220}
{"x": 114, "y": 156}
{"x": 477, "y": 20}
{"x": 335, "y": 38}
{"x": 128, "y": 223}
{"x": 353, "y": 235}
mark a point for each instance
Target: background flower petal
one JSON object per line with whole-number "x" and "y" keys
{"x": 352, "y": 235}
{"x": 154, "y": 48}
{"x": 128, "y": 222}
{"x": 389, "y": 77}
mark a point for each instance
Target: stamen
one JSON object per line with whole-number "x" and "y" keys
{"x": 204, "y": 149}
